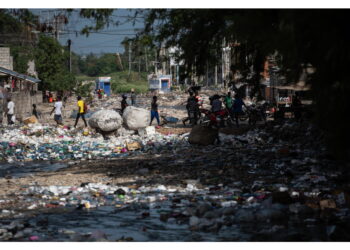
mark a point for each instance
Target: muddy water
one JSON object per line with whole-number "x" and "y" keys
{"x": 20, "y": 169}
{"x": 110, "y": 224}
{"x": 107, "y": 223}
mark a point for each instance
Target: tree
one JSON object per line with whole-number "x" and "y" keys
{"x": 15, "y": 32}
{"x": 51, "y": 64}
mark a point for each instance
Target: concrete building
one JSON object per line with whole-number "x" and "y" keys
{"x": 6, "y": 60}
{"x": 23, "y": 89}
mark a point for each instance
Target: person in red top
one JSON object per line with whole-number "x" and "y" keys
{"x": 199, "y": 99}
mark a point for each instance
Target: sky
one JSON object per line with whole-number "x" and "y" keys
{"x": 107, "y": 40}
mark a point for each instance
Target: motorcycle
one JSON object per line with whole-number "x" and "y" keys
{"x": 221, "y": 118}
{"x": 256, "y": 113}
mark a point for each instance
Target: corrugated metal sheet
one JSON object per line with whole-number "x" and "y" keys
{"x": 18, "y": 75}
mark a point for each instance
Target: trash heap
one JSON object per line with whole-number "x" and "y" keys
{"x": 44, "y": 142}
{"x": 275, "y": 183}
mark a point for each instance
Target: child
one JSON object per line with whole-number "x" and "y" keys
{"x": 123, "y": 104}
{"x": 34, "y": 112}
{"x": 58, "y": 111}
{"x": 154, "y": 111}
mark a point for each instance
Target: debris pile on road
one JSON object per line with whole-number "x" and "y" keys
{"x": 275, "y": 183}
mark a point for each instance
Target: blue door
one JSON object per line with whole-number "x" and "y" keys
{"x": 107, "y": 88}
{"x": 164, "y": 85}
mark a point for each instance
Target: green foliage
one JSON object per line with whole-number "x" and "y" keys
{"x": 8, "y": 23}
{"x": 97, "y": 66}
{"x": 84, "y": 90}
{"x": 101, "y": 17}
{"x": 123, "y": 83}
{"x": 21, "y": 56}
{"x": 13, "y": 24}
{"x": 51, "y": 64}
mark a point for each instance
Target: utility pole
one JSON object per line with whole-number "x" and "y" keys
{"x": 70, "y": 55}
{"x": 129, "y": 58}
{"x": 146, "y": 59}
{"x": 177, "y": 74}
{"x": 223, "y": 63}
{"x": 216, "y": 74}
{"x": 119, "y": 61}
{"x": 207, "y": 74}
{"x": 139, "y": 65}
{"x": 155, "y": 62}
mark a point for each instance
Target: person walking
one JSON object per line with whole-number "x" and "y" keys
{"x": 81, "y": 111}
{"x": 10, "y": 111}
{"x": 123, "y": 103}
{"x": 133, "y": 97}
{"x": 58, "y": 111}
{"x": 237, "y": 108}
{"x": 154, "y": 111}
{"x": 192, "y": 110}
{"x": 35, "y": 112}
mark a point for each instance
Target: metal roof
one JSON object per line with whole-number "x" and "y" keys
{"x": 18, "y": 75}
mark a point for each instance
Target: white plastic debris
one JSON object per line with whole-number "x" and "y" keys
{"x": 136, "y": 118}
{"x": 106, "y": 120}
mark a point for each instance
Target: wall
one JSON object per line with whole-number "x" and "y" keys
{"x": 24, "y": 101}
{"x": 6, "y": 61}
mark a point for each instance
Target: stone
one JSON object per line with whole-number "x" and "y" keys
{"x": 298, "y": 208}
{"x": 203, "y": 135}
{"x": 106, "y": 120}
{"x": 210, "y": 215}
{"x": 203, "y": 208}
{"x": 143, "y": 171}
{"x": 18, "y": 235}
{"x": 244, "y": 215}
{"x": 136, "y": 118}
{"x": 194, "y": 221}
{"x": 269, "y": 214}
{"x": 228, "y": 211}
{"x": 281, "y": 197}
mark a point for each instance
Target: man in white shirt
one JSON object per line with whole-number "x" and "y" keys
{"x": 10, "y": 110}
{"x": 58, "y": 111}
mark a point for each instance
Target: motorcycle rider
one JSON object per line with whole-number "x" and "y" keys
{"x": 216, "y": 104}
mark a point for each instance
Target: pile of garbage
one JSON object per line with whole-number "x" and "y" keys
{"x": 275, "y": 183}
{"x": 44, "y": 142}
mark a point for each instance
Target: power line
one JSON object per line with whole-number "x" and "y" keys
{"x": 99, "y": 33}
{"x": 105, "y": 46}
